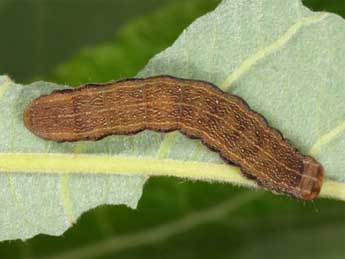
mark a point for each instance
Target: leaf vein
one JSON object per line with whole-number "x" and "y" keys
{"x": 248, "y": 63}
{"x": 37, "y": 163}
{"x": 65, "y": 199}
{"x": 5, "y": 84}
{"x": 324, "y": 139}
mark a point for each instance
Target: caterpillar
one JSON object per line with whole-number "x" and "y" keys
{"x": 198, "y": 109}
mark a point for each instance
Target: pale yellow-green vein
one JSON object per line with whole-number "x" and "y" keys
{"x": 5, "y": 84}
{"x": 16, "y": 203}
{"x": 264, "y": 52}
{"x": 169, "y": 139}
{"x": 64, "y": 189}
{"x": 326, "y": 138}
{"x": 121, "y": 165}
{"x": 164, "y": 147}
{"x": 197, "y": 151}
{"x": 65, "y": 198}
{"x": 11, "y": 188}
{"x": 20, "y": 208}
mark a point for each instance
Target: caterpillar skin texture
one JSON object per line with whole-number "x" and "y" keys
{"x": 198, "y": 109}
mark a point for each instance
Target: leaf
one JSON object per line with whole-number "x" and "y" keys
{"x": 198, "y": 53}
{"x": 283, "y": 59}
{"x": 50, "y": 203}
{"x": 100, "y": 68}
{"x": 211, "y": 220}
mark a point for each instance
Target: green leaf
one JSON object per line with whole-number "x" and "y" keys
{"x": 223, "y": 47}
{"x": 49, "y": 203}
{"x": 283, "y": 59}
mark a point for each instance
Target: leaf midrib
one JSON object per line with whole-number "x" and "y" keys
{"x": 57, "y": 163}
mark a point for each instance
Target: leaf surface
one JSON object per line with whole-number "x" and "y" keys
{"x": 260, "y": 51}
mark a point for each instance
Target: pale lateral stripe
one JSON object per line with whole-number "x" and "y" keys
{"x": 264, "y": 52}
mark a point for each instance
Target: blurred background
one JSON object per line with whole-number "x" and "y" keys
{"x": 78, "y": 41}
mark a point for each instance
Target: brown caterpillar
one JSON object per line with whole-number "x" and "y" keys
{"x": 198, "y": 109}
